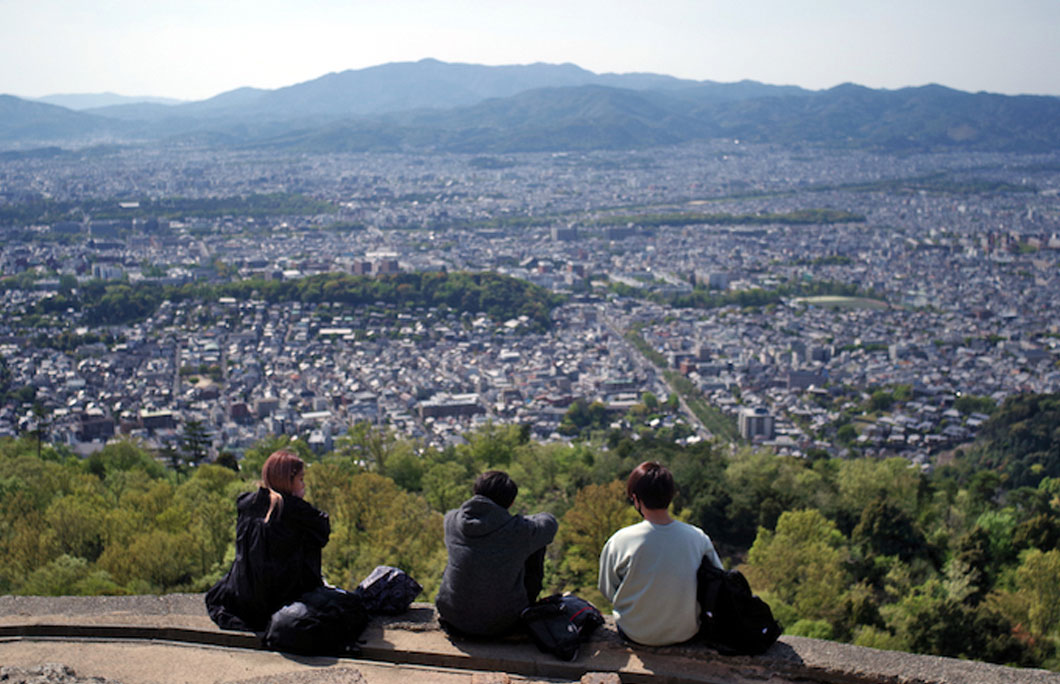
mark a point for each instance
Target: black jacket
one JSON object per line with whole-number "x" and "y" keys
{"x": 483, "y": 589}
{"x": 275, "y": 562}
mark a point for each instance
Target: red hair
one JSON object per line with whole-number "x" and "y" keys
{"x": 277, "y": 475}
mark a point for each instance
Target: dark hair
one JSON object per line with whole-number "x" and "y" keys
{"x": 652, "y": 483}
{"x": 496, "y": 485}
{"x": 277, "y": 475}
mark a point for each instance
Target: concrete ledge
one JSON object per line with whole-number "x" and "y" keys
{"x": 415, "y": 638}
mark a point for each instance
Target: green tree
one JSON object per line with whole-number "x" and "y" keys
{"x": 123, "y": 455}
{"x": 970, "y": 403}
{"x": 800, "y": 565}
{"x": 367, "y": 446}
{"x": 582, "y": 417}
{"x": 598, "y": 512}
{"x": 205, "y": 500}
{"x": 703, "y": 492}
{"x": 255, "y": 456}
{"x": 228, "y": 460}
{"x": 999, "y": 526}
{"x": 374, "y": 522}
{"x": 42, "y": 422}
{"x": 1041, "y": 532}
{"x": 446, "y": 485}
{"x": 864, "y": 480}
{"x": 27, "y": 542}
{"x": 761, "y": 486}
{"x": 972, "y": 568}
{"x": 887, "y": 530}
{"x": 195, "y": 441}
{"x": 881, "y": 401}
{"x": 932, "y": 623}
{"x": 1034, "y": 602}
{"x": 406, "y": 467}
{"x": 173, "y": 458}
{"x": 492, "y": 446}
{"x": 78, "y": 522}
{"x": 68, "y": 576}
{"x": 548, "y": 475}
{"x": 164, "y": 560}
{"x": 846, "y": 434}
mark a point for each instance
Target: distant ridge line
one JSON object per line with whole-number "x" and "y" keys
{"x": 431, "y": 105}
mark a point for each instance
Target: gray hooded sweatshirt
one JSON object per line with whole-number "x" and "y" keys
{"x": 483, "y": 590}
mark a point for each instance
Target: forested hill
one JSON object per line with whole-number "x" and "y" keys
{"x": 1020, "y": 442}
{"x": 875, "y": 552}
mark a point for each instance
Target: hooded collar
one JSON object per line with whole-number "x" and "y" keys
{"x": 480, "y": 515}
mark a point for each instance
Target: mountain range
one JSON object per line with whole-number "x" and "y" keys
{"x": 431, "y": 105}
{"x": 79, "y": 101}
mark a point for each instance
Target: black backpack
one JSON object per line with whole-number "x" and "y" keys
{"x": 559, "y": 623}
{"x": 324, "y": 621}
{"x": 733, "y": 620}
{"x": 388, "y": 590}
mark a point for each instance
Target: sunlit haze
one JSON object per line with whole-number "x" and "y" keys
{"x": 194, "y": 49}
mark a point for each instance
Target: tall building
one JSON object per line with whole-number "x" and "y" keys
{"x": 561, "y": 234}
{"x": 755, "y": 422}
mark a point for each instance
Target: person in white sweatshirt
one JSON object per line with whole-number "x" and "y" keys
{"x": 648, "y": 570}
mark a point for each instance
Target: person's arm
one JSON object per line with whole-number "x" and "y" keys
{"x": 542, "y": 529}
{"x": 609, "y": 579}
{"x": 710, "y": 552}
{"x": 311, "y": 520}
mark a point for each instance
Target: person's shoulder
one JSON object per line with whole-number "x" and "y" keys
{"x": 638, "y": 529}
{"x": 690, "y": 529}
{"x": 451, "y": 519}
{"x": 248, "y": 499}
{"x": 536, "y": 520}
{"x": 695, "y": 534}
{"x": 300, "y": 506}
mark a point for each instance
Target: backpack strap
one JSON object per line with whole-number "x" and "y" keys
{"x": 580, "y": 612}
{"x": 708, "y": 585}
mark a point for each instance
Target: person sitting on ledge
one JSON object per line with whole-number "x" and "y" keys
{"x": 496, "y": 559}
{"x": 279, "y": 538}
{"x": 648, "y": 570}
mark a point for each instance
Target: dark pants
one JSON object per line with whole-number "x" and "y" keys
{"x": 534, "y": 574}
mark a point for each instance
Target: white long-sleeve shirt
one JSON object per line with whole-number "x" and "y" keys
{"x": 648, "y": 572}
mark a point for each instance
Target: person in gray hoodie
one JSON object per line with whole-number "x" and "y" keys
{"x": 496, "y": 559}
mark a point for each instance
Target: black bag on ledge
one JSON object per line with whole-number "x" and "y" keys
{"x": 559, "y": 623}
{"x": 733, "y": 621}
{"x": 324, "y": 621}
{"x": 388, "y": 590}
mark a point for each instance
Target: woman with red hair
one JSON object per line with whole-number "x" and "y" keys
{"x": 278, "y": 542}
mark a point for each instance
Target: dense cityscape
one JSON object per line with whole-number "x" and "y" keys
{"x": 684, "y": 342}
{"x": 952, "y": 259}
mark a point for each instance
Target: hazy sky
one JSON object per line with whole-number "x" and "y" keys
{"x": 194, "y": 49}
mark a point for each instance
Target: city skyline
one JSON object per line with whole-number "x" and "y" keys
{"x": 195, "y": 50}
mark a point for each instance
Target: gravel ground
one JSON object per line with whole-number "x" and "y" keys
{"x": 49, "y": 673}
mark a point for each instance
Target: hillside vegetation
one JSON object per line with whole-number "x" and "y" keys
{"x": 963, "y": 562}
